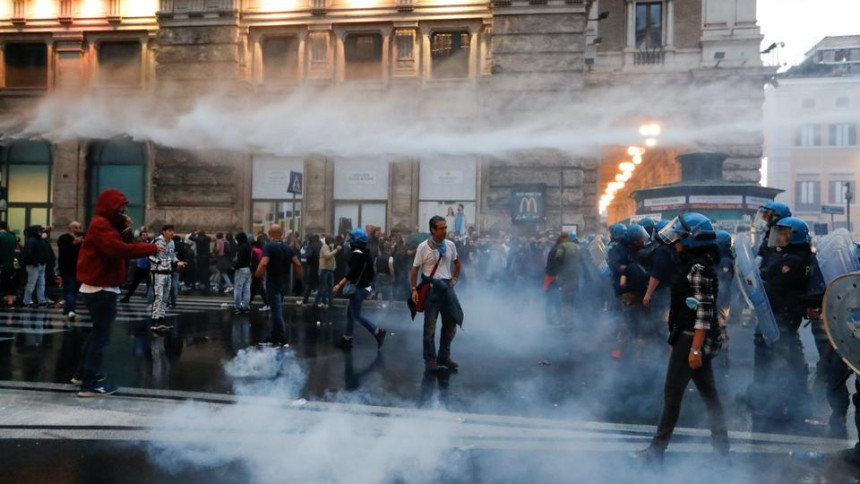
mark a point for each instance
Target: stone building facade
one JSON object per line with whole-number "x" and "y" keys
{"x": 812, "y": 114}
{"x": 510, "y": 57}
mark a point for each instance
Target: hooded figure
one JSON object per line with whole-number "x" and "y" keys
{"x": 101, "y": 270}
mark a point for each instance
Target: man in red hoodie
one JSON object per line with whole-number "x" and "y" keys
{"x": 101, "y": 271}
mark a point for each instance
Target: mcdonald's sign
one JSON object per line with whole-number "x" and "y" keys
{"x": 528, "y": 203}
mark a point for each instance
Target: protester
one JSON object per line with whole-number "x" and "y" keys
{"x": 8, "y": 272}
{"x": 327, "y": 265}
{"x": 69, "y": 245}
{"x": 360, "y": 275}
{"x": 161, "y": 267}
{"x": 35, "y": 257}
{"x": 442, "y": 277}
{"x": 277, "y": 257}
{"x": 242, "y": 275}
{"x": 101, "y": 270}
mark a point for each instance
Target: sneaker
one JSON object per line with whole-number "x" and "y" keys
{"x": 237, "y": 311}
{"x": 344, "y": 344}
{"x": 77, "y": 381}
{"x": 71, "y": 316}
{"x": 650, "y": 456}
{"x": 264, "y": 309}
{"x": 380, "y": 338}
{"x": 432, "y": 366}
{"x": 99, "y": 390}
{"x": 448, "y": 363}
{"x": 228, "y": 290}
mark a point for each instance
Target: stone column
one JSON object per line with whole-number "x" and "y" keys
{"x": 403, "y": 194}
{"x": 317, "y": 207}
{"x": 68, "y": 178}
{"x": 69, "y": 65}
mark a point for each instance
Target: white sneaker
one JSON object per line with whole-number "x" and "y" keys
{"x": 264, "y": 309}
{"x": 71, "y": 316}
{"x": 228, "y": 290}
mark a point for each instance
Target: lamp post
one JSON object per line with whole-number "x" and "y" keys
{"x": 848, "y": 197}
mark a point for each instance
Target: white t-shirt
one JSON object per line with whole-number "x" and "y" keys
{"x": 426, "y": 257}
{"x": 88, "y": 289}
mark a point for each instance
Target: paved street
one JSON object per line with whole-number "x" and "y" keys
{"x": 523, "y": 390}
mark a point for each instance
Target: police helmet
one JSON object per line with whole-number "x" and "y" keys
{"x": 691, "y": 229}
{"x": 617, "y": 232}
{"x": 769, "y": 214}
{"x": 790, "y": 231}
{"x": 724, "y": 241}
{"x": 637, "y": 233}
{"x": 648, "y": 225}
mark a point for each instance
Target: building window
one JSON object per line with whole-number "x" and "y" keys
{"x": 808, "y": 195}
{"x": 843, "y": 102}
{"x": 120, "y": 164}
{"x": 119, "y": 63}
{"x": 808, "y": 104}
{"x": 318, "y": 47}
{"x": 649, "y": 25}
{"x": 286, "y": 213}
{"x": 808, "y": 135}
{"x": 27, "y": 181}
{"x": 271, "y": 203}
{"x": 842, "y": 55}
{"x": 26, "y": 65}
{"x": 363, "y": 56}
{"x": 405, "y": 43}
{"x": 843, "y": 134}
{"x": 280, "y": 60}
{"x": 838, "y": 189}
{"x": 450, "y": 54}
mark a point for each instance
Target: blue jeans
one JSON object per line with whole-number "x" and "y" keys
{"x": 35, "y": 280}
{"x": 325, "y": 286}
{"x": 102, "y": 307}
{"x": 275, "y": 295}
{"x": 242, "y": 288}
{"x": 353, "y": 312}
{"x": 70, "y": 293}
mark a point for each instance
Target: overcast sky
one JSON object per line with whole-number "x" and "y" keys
{"x": 802, "y": 23}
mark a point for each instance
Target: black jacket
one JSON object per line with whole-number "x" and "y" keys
{"x": 360, "y": 267}
{"x": 68, "y": 255}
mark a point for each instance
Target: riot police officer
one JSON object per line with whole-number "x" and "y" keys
{"x": 694, "y": 332}
{"x": 780, "y": 394}
{"x": 768, "y": 215}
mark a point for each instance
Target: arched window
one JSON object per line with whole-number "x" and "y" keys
{"x": 120, "y": 164}
{"x": 27, "y": 183}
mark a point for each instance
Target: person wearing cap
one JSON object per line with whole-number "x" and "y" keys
{"x": 35, "y": 257}
{"x": 360, "y": 274}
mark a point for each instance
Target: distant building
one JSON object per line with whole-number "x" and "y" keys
{"x": 812, "y": 113}
{"x": 514, "y": 55}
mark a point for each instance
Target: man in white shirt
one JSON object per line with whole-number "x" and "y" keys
{"x": 440, "y": 266}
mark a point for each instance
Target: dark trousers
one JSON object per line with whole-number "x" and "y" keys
{"x": 678, "y": 376}
{"x": 102, "y": 307}
{"x": 139, "y": 275}
{"x": 203, "y": 271}
{"x": 780, "y": 374}
{"x": 436, "y": 304}
{"x": 70, "y": 293}
{"x": 275, "y": 296}
{"x": 257, "y": 288}
{"x": 310, "y": 281}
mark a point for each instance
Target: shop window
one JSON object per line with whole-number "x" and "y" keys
{"x": 26, "y": 65}
{"x": 280, "y": 60}
{"x": 286, "y": 213}
{"x": 450, "y": 54}
{"x": 350, "y": 215}
{"x": 120, "y": 63}
{"x": 119, "y": 164}
{"x": 27, "y": 181}
{"x": 363, "y": 55}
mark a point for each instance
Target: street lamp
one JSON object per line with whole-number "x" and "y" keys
{"x": 848, "y": 197}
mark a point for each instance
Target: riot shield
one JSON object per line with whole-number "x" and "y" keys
{"x": 841, "y": 317}
{"x": 836, "y": 255}
{"x": 752, "y": 288}
{"x": 597, "y": 256}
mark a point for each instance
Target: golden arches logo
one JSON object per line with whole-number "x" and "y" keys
{"x": 528, "y": 205}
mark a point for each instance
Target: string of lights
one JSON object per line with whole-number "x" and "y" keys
{"x": 649, "y": 132}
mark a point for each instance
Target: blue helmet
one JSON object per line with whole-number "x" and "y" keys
{"x": 573, "y": 237}
{"x": 769, "y": 214}
{"x": 637, "y": 233}
{"x": 358, "y": 236}
{"x": 617, "y": 232}
{"x": 724, "y": 241}
{"x": 692, "y": 229}
{"x": 798, "y": 232}
{"x": 648, "y": 225}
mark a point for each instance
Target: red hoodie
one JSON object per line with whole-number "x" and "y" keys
{"x": 107, "y": 247}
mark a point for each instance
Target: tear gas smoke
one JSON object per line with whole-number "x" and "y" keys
{"x": 345, "y": 121}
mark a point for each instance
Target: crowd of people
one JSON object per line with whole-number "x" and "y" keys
{"x": 661, "y": 280}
